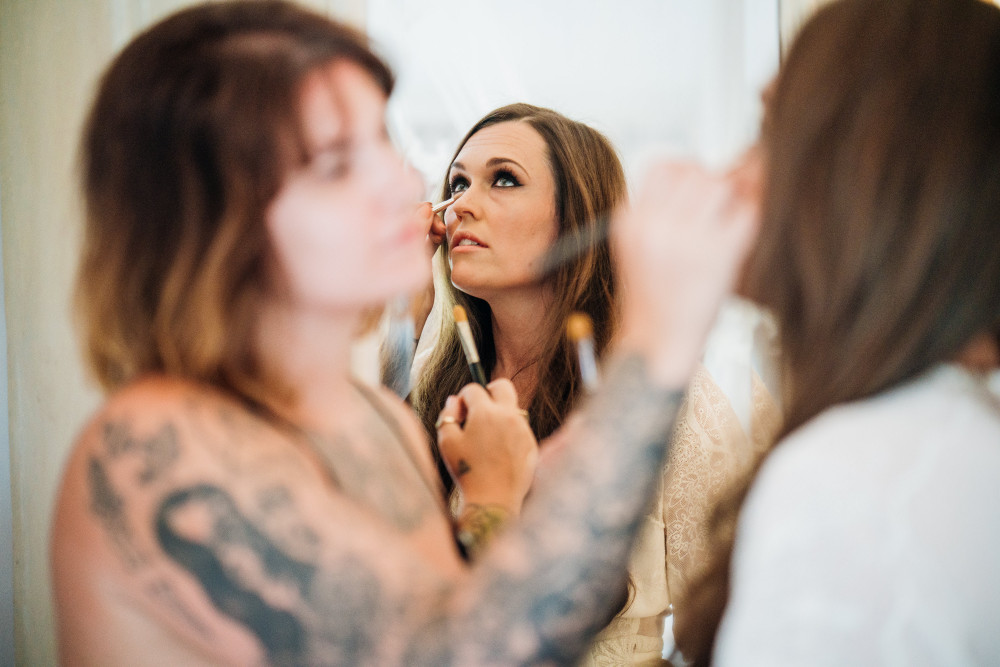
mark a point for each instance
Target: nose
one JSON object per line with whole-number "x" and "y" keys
{"x": 466, "y": 206}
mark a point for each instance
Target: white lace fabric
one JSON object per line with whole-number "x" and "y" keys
{"x": 872, "y": 535}
{"x": 709, "y": 453}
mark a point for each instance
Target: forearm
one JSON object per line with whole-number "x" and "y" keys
{"x": 557, "y": 577}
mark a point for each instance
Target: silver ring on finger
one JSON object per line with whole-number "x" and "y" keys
{"x": 444, "y": 420}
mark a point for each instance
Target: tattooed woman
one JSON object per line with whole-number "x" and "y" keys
{"x": 238, "y": 499}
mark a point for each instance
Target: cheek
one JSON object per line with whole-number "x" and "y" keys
{"x": 308, "y": 237}
{"x": 536, "y": 234}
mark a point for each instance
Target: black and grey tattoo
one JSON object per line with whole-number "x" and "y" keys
{"x": 230, "y": 542}
{"x": 109, "y": 507}
{"x": 300, "y": 613}
{"x": 158, "y": 452}
{"x": 162, "y": 591}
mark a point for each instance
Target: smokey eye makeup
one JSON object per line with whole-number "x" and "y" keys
{"x": 457, "y": 184}
{"x": 501, "y": 178}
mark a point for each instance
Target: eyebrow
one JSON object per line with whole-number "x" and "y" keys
{"x": 492, "y": 162}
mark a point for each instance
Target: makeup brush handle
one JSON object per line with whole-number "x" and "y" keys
{"x": 478, "y": 375}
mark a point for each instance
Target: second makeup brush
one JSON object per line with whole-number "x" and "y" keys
{"x": 580, "y": 330}
{"x": 469, "y": 345}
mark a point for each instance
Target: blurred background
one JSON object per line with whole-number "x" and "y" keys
{"x": 659, "y": 77}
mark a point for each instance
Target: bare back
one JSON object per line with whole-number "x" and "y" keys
{"x": 189, "y": 530}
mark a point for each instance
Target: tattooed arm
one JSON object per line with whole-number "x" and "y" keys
{"x": 183, "y": 534}
{"x": 555, "y": 578}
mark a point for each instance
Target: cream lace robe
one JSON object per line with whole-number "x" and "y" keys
{"x": 710, "y": 451}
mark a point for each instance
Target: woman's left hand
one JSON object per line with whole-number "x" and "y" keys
{"x": 488, "y": 445}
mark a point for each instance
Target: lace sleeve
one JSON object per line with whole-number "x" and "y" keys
{"x": 710, "y": 453}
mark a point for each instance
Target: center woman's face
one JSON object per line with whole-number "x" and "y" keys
{"x": 343, "y": 225}
{"x": 505, "y": 219}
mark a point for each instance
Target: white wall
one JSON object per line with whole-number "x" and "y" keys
{"x": 49, "y": 51}
{"x": 6, "y": 510}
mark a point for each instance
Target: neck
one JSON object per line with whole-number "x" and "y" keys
{"x": 312, "y": 353}
{"x": 519, "y": 338}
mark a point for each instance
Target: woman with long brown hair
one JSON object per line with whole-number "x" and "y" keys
{"x": 870, "y": 533}
{"x": 527, "y": 177}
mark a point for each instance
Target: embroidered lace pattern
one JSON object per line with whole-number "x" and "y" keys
{"x": 710, "y": 451}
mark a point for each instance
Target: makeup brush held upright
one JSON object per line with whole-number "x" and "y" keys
{"x": 580, "y": 330}
{"x": 469, "y": 345}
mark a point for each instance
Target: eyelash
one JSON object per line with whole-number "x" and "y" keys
{"x": 497, "y": 175}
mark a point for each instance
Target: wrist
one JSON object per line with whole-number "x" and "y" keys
{"x": 502, "y": 499}
{"x": 477, "y": 526}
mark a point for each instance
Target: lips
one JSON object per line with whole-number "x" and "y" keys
{"x": 466, "y": 240}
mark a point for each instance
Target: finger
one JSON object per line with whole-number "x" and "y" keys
{"x": 423, "y": 215}
{"x": 502, "y": 390}
{"x": 452, "y": 414}
{"x": 437, "y": 231}
{"x": 474, "y": 395}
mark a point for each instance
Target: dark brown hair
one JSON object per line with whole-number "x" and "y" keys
{"x": 881, "y": 214}
{"x": 193, "y": 129}
{"x": 590, "y": 183}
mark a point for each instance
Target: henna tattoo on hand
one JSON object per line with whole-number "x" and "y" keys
{"x": 477, "y": 526}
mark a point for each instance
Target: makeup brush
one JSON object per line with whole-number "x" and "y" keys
{"x": 580, "y": 330}
{"x": 469, "y": 345}
{"x": 437, "y": 208}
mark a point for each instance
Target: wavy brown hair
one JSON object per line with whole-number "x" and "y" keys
{"x": 881, "y": 214}
{"x": 590, "y": 183}
{"x": 193, "y": 129}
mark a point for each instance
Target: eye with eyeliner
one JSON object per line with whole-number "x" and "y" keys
{"x": 501, "y": 178}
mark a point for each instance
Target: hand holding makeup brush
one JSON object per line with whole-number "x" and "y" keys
{"x": 488, "y": 446}
{"x": 430, "y": 218}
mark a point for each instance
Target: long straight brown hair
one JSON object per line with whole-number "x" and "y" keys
{"x": 880, "y": 246}
{"x": 193, "y": 129}
{"x": 590, "y": 184}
